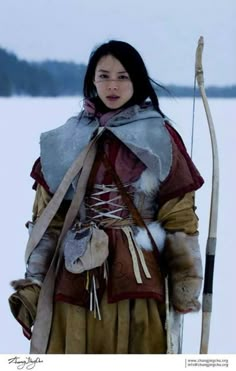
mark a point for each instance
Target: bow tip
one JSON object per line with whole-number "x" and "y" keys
{"x": 201, "y": 41}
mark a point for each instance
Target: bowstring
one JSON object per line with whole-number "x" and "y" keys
{"x": 193, "y": 116}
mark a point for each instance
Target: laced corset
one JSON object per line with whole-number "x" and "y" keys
{"x": 103, "y": 199}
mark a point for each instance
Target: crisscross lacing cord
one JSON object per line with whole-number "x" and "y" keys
{"x": 101, "y": 208}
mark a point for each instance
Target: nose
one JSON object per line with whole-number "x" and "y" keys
{"x": 113, "y": 85}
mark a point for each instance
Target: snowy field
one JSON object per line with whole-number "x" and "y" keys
{"x": 21, "y": 122}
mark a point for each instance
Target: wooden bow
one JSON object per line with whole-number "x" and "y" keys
{"x": 212, "y": 232}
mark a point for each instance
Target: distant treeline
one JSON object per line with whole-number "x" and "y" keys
{"x": 53, "y": 78}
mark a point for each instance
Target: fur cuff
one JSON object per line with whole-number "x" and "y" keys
{"x": 22, "y": 283}
{"x": 183, "y": 261}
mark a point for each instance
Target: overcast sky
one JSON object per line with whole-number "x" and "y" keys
{"x": 165, "y": 33}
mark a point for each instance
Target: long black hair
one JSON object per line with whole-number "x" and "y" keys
{"x": 133, "y": 63}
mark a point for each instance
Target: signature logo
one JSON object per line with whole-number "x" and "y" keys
{"x": 28, "y": 363}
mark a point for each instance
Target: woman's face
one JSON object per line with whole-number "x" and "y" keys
{"x": 112, "y": 82}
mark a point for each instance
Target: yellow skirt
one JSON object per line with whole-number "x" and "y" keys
{"x": 127, "y": 327}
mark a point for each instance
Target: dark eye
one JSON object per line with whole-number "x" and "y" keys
{"x": 103, "y": 76}
{"x": 123, "y": 77}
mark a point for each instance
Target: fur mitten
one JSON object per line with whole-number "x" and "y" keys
{"x": 23, "y": 305}
{"x": 184, "y": 266}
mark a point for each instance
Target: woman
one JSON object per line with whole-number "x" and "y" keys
{"x": 113, "y": 215}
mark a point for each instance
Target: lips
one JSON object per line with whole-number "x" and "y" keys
{"x": 112, "y": 97}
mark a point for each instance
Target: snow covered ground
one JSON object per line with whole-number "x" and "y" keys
{"x": 21, "y": 122}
